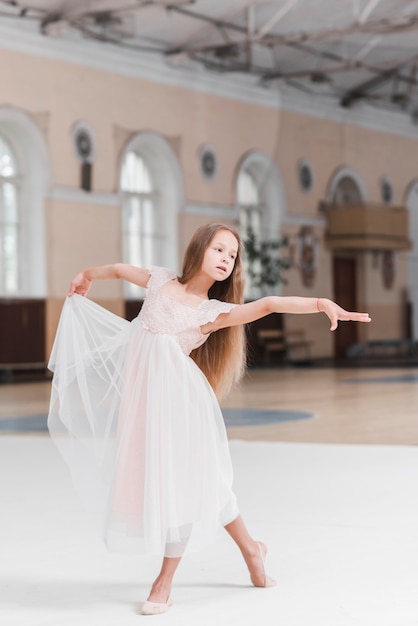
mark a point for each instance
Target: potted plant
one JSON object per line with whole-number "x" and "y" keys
{"x": 265, "y": 261}
{"x": 265, "y": 266}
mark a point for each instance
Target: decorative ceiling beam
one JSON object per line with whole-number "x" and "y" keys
{"x": 250, "y": 31}
{"x": 343, "y": 65}
{"x": 371, "y": 5}
{"x": 229, "y": 65}
{"x": 382, "y": 26}
{"x": 337, "y": 69}
{"x": 106, "y": 37}
{"x": 275, "y": 19}
{"x": 79, "y": 12}
{"x": 206, "y": 28}
{"x": 364, "y": 51}
{"x": 317, "y": 52}
{"x": 362, "y": 90}
{"x": 220, "y": 23}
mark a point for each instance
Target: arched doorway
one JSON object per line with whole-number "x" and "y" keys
{"x": 346, "y": 189}
{"x": 412, "y": 259}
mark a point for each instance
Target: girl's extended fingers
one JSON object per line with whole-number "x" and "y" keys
{"x": 360, "y": 317}
{"x": 348, "y": 316}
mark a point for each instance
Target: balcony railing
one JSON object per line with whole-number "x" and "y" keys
{"x": 367, "y": 227}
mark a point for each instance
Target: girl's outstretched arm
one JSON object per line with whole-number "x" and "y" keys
{"x": 245, "y": 313}
{"x": 82, "y": 282}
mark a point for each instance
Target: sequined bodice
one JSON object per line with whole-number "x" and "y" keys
{"x": 161, "y": 313}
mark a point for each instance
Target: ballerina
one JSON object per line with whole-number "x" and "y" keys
{"x": 134, "y": 405}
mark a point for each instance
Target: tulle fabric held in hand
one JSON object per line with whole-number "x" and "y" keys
{"x": 138, "y": 423}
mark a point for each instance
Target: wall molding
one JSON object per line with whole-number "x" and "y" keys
{"x": 192, "y": 208}
{"x": 70, "y": 194}
{"x": 304, "y": 220}
{"x": 212, "y": 210}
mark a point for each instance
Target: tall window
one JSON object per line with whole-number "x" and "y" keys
{"x": 151, "y": 189}
{"x": 261, "y": 201}
{"x": 140, "y": 222}
{"x": 249, "y": 203}
{"x": 250, "y": 218}
{"x": 9, "y": 222}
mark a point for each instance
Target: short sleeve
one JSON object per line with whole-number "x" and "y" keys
{"x": 158, "y": 277}
{"x": 214, "y": 308}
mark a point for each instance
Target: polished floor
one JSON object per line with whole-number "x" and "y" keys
{"x": 363, "y": 406}
{"x": 333, "y": 495}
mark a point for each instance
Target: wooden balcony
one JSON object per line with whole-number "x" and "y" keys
{"x": 367, "y": 227}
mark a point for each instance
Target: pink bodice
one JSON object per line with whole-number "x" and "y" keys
{"x": 161, "y": 313}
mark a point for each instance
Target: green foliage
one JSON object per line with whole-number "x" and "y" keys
{"x": 266, "y": 263}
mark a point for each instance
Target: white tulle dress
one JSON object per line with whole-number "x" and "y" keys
{"x": 139, "y": 424}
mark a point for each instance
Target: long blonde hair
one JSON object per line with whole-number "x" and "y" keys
{"x": 222, "y": 356}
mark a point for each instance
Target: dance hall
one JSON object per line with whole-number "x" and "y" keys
{"x": 209, "y": 312}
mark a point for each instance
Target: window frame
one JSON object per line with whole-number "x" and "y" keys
{"x": 271, "y": 205}
{"x": 14, "y": 181}
{"x": 166, "y": 196}
{"x": 34, "y": 182}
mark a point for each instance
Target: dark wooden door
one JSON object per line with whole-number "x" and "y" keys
{"x": 345, "y": 290}
{"x": 22, "y": 331}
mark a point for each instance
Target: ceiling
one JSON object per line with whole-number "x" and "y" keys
{"x": 349, "y": 51}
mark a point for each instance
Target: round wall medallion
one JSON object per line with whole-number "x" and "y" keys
{"x": 305, "y": 175}
{"x": 208, "y": 162}
{"x": 83, "y": 142}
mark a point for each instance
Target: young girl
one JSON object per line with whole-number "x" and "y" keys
{"x": 138, "y": 419}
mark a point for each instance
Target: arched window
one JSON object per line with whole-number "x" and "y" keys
{"x": 249, "y": 202}
{"x": 25, "y": 176}
{"x": 346, "y": 187}
{"x": 250, "y": 217}
{"x": 347, "y": 192}
{"x": 260, "y": 200}
{"x": 140, "y": 224}
{"x": 9, "y": 221}
{"x": 152, "y": 195}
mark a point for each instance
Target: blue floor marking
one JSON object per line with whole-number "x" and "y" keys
{"x": 256, "y": 417}
{"x": 29, "y": 423}
{"x": 232, "y": 417}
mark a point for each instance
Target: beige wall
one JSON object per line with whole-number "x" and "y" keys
{"x": 58, "y": 94}
{"x": 80, "y": 235}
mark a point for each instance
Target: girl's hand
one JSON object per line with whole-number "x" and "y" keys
{"x": 337, "y": 313}
{"x": 80, "y": 284}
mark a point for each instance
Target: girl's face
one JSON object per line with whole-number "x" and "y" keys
{"x": 219, "y": 258}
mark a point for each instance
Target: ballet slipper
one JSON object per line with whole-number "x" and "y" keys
{"x": 268, "y": 582}
{"x": 155, "y": 608}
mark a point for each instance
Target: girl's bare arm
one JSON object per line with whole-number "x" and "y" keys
{"x": 82, "y": 282}
{"x": 245, "y": 313}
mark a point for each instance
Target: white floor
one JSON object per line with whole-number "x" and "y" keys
{"x": 341, "y": 523}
